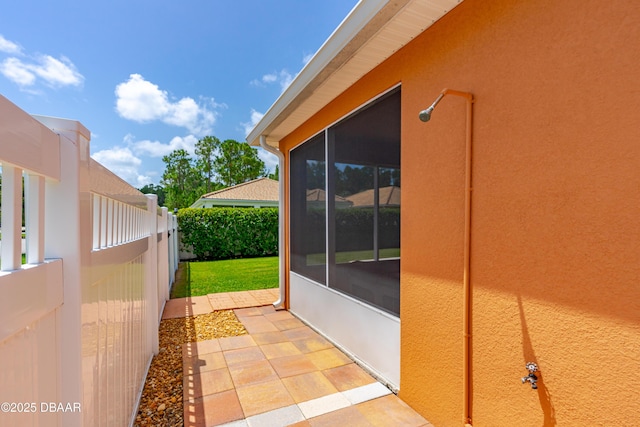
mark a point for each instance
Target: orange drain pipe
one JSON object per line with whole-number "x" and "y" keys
{"x": 425, "y": 115}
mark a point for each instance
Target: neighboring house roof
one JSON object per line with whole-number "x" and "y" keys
{"x": 388, "y": 196}
{"x": 371, "y": 33}
{"x": 258, "y": 192}
{"x": 317, "y": 197}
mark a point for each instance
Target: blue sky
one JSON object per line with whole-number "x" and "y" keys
{"x": 147, "y": 77}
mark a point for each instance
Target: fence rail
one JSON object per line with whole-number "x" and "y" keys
{"x": 78, "y": 321}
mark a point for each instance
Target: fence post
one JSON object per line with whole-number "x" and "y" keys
{"x": 163, "y": 261}
{"x": 171, "y": 235}
{"x": 67, "y": 216}
{"x": 176, "y": 246}
{"x": 151, "y": 285}
{"x": 170, "y": 259}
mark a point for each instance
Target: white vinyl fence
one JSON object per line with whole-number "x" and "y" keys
{"x": 79, "y": 320}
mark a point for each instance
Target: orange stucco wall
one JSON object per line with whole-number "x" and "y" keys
{"x": 555, "y": 228}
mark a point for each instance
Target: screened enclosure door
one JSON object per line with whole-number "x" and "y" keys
{"x": 345, "y": 195}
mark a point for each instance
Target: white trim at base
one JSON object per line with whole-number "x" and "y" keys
{"x": 368, "y": 335}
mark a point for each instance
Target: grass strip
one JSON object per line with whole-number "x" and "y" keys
{"x": 208, "y": 277}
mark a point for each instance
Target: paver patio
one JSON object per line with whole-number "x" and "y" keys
{"x": 282, "y": 374}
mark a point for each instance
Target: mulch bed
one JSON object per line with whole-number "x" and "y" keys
{"x": 161, "y": 402}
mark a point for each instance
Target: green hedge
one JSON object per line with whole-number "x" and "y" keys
{"x": 225, "y": 233}
{"x": 354, "y": 229}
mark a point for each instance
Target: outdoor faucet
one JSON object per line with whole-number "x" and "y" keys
{"x": 531, "y": 378}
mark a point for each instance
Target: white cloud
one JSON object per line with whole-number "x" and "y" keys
{"x": 255, "y": 118}
{"x": 56, "y": 72}
{"x": 122, "y": 162}
{"x": 285, "y": 80}
{"x": 129, "y": 158}
{"x": 53, "y": 72}
{"x": 17, "y": 72}
{"x": 183, "y": 112}
{"x": 270, "y": 160}
{"x": 306, "y": 58}
{"x": 8, "y": 46}
{"x": 270, "y": 78}
{"x": 142, "y": 101}
{"x": 158, "y": 149}
{"x": 282, "y": 77}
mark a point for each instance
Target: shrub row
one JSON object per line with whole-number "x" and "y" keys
{"x": 225, "y": 233}
{"x": 353, "y": 229}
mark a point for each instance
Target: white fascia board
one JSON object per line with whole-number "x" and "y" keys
{"x": 355, "y": 21}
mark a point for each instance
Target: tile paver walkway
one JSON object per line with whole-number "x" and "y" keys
{"x": 184, "y": 307}
{"x": 282, "y": 374}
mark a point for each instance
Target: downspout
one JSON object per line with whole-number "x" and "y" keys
{"x": 425, "y": 116}
{"x": 279, "y": 304}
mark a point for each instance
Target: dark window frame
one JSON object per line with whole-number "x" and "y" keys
{"x": 361, "y": 153}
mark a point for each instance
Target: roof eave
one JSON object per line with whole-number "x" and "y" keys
{"x": 331, "y": 63}
{"x": 312, "y": 72}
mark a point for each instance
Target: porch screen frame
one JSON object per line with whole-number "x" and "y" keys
{"x": 366, "y": 142}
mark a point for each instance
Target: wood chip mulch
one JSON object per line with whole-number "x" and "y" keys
{"x": 161, "y": 402}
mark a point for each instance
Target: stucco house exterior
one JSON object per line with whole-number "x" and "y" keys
{"x": 257, "y": 193}
{"x": 516, "y": 238}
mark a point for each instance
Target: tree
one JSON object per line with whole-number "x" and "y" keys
{"x": 276, "y": 174}
{"x": 238, "y": 162}
{"x": 206, "y": 152}
{"x": 352, "y": 179}
{"x": 181, "y": 180}
{"x": 315, "y": 174}
{"x": 154, "y": 189}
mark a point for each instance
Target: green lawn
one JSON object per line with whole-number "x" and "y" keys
{"x": 208, "y": 277}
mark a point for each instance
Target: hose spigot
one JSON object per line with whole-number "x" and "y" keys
{"x": 531, "y": 378}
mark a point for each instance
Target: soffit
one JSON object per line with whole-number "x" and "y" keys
{"x": 372, "y": 32}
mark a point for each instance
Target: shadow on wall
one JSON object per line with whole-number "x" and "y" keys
{"x": 530, "y": 356}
